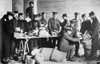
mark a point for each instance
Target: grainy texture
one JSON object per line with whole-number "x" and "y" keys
{"x": 69, "y": 7}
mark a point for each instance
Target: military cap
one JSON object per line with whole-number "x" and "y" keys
{"x": 42, "y": 13}
{"x": 83, "y": 15}
{"x": 10, "y": 13}
{"x": 76, "y": 13}
{"x": 54, "y": 13}
{"x": 20, "y": 13}
{"x": 64, "y": 15}
{"x": 91, "y": 13}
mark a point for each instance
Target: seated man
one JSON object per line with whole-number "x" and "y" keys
{"x": 64, "y": 44}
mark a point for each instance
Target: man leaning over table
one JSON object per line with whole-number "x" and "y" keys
{"x": 33, "y": 31}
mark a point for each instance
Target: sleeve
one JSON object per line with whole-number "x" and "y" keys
{"x": 49, "y": 25}
{"x": 27, "y": 12}
{"x": 11, "y": 27}
{"x": 59, "y": 25}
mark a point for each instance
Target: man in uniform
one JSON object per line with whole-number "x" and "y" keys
{"x": 43, "y": 21}
{"x": 77, "y": 20}
{"x": 86, "y": 24}
{"x": 54, "y": 26}
{"x": 30, "y": 10}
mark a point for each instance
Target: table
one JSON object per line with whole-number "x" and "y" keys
{"x": 27, "y": 37}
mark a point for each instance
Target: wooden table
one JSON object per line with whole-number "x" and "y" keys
{"x": 27, "y": 37}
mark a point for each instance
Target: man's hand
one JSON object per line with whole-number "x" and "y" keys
{"x": 76, "y": 39}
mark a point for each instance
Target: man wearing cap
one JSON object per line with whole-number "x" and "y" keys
{"x": 30, "y": 10}
{"x": 94, "y": 21}
{"x": 77, "y": 20}
{"x": 22, "y": 22}
{"x": 43, "y": 21}
{"x": 86, "y": 24}
{"x": 73, "y": 34}
{"x": 65, "y": 22}
{"x": 95, "y": 36}
{"x": 15, "y": 20}
{"x": 54, "y": 26}
{"x": 66, "y": 45}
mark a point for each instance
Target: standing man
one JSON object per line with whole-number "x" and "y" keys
{"x": 95, "y": 36}
{"x": 94, "y": 21}
{"x": 43, "y": 21}
{"x": 86, "y": 24}
{"x": 22, "y": 22}
{"x": 65, "y": 22}
{"x": 15, "y": 20}
{"x": 6, "y": 35}
{"x": 30, "y": 10}
{"x": 54, "y": 26}
{"x": 77, "y": 20}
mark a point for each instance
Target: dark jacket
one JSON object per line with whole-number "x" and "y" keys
{"x": 85, "y": 26}
{"x": 23, "y": 25}
{"x": 53, "y": 24}
{"x": 65, "y": 22}
{"x": 30, "y": 12}
{"x": 94, "y": 24}
{"x": 43, "y": 21}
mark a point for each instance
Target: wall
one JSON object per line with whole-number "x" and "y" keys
{"x": 26, "y": 4}
{"x": 18, "y": 5}
{"x": 69, "y": 7}
{"x": 5, "y": 5}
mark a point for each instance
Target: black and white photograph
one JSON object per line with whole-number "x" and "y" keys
{"x": 49, "y": 31}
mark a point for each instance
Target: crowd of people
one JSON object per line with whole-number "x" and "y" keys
{"x": 69, "y": 31}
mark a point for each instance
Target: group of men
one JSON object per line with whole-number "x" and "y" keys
{"x": 68, "y": 41}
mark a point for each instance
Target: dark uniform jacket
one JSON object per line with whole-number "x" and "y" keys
{"x": 85, "y": 26}
{"x": 65, "y": 22}
{"x": 94, "y": 24}
{"x": 53, "y": 24}
{"x": 23, "y": 25}
{"x": 43, "y": 21}
{"x": 30, "y": 12}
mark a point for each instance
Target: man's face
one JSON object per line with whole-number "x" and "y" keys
{"x": 92, "y": 16}
{"x": 44, "y": 15}
{"x": 72, "y": 25}
{"x": 10, "y": 17}
{"x": 16, "y": 15}
{"x": 55, "y": 16}
{"x": 64, "y": 17}
{"x": 32, "y": 5}
{"x": 20, "y": 17}
{"x": 77, "y": 16}
{"x": 84, "y": 18}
